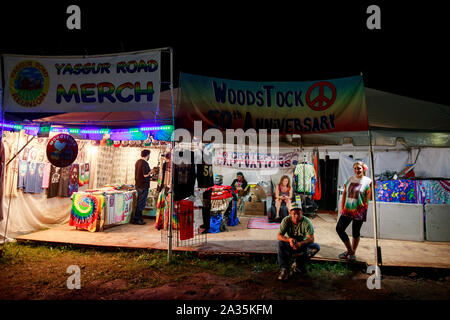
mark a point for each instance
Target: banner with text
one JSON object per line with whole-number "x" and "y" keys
{"x": 256, "y": 160}
{"x": 291, "y": 107}
{"x": 129, "y": 82}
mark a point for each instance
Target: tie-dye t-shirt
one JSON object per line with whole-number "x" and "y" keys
{"x": 356, "y": 202}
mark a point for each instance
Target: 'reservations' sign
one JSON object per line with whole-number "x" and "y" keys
{"x": 79, "y": 84}
{"x": 291, "y": 107}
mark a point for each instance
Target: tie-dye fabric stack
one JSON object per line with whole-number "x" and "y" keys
{"x": 86, "y": 209}
{"x": 433, "y": 191}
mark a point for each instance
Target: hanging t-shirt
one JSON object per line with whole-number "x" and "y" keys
{"x": 33, "y": 154}
{"x": 55, "y": 177}
{"x": 185, "y": 215}
{"x": 81, "y": 176}
{"x": 356, "y": 202}
{"x": 184, "y": 178}
{"x": 38, "y": 177}
{"x": 303, "y": 175}
{"x": 205, "y": 178}
{"x": 23, "y": 169}
{"x": 63, "y": 186}
{"x": 86, "y": 173}
{"x": 25, "y": 153}
{"x": 46, "y": 175}
{"x": 30, "y": 182}
{"x": 74, "y": 178}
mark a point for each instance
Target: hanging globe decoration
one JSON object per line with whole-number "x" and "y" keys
{"x": 62, "y": 150}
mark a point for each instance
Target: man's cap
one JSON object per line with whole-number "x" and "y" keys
{"x": 295, "y": 206}
{"x": 239, "y": 174}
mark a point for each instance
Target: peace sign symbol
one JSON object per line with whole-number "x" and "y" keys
{"x": 322, "y": 101}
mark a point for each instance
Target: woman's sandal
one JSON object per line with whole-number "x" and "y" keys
{"x": 352, "y": 257}
{"x": 343, "y": 255}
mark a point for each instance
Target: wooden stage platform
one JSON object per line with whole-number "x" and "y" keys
{"x": 241, "y": 240}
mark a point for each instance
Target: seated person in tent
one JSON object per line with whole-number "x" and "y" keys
{"x": 283, "y": 193}
{"x": 239, "y": 184}
{"x": 299, "y": 242}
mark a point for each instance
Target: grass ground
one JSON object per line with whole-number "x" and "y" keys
{"x": 39, "y": 272}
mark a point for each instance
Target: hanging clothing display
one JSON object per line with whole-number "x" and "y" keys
{"x": 12, "y": 175}
{"x": 185, "y": 214}
{"x": 39, "y": 177}
{"x": 159, "y": 224}
{"x": 46, "y": 176}
{"x": 74, "y": 178}
{"x": 63, "y": 186}
{"x": 30, "y": 179}
{"x": 205, "y": 176}
{"x": 86, "y": 174}
{"x": 55, "y": 177}
{"x": 318, "y": 187}
{"x": 81, "y": 175}
{"x": 304, "y": 174}
{"x": 23, "y": 170}
{"x": 184, "y": 177}
{"x": 105, "y": 166}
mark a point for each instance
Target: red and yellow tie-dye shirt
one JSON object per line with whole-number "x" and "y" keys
{"x": 356, "y": 198}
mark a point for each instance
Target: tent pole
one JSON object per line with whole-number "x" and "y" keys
{"x": 374, "y": 207}
{"x": 169, "y": 252}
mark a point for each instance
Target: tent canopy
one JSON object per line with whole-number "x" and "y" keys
{"x": 392, "y": 118}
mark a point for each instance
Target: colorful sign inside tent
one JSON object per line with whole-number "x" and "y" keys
{"x": 291, "y": 107}
{"x": 62, "y": 150}
{"x": 79, "y": 84}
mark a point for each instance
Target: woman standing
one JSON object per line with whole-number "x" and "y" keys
{"x": 283, "y": 192}
{"x": 354, "y": 204}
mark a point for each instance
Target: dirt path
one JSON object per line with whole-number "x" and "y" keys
{"x": 40, "y": 273}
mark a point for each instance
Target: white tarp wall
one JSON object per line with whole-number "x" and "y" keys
{"x": 432, "y": 162}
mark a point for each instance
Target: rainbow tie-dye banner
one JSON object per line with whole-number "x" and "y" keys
{"x": 292, "y": 107}
{"x": 128, "y": 82}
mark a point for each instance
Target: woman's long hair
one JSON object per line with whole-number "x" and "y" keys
{"x": 285, "y": 177}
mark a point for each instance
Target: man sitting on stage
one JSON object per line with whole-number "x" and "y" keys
{"x": 299, "y": 242}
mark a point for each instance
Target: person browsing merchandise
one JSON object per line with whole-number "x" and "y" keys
{"x": 142, "y": 175}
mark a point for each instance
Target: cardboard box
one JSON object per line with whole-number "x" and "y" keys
{"x": 254, "y": 208}
{"x": 256, "y": 192}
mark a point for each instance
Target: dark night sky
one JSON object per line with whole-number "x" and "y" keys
{"x": 264, "y": 41}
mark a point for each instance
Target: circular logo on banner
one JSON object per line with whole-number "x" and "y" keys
{"x": 28, "y": 83}
{"x": 62, "y": 150}
{"x": 321, "y": 101}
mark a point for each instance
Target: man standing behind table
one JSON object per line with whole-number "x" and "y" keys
{"x": 299, "y": 242}
{"x": 142, "y": 176}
